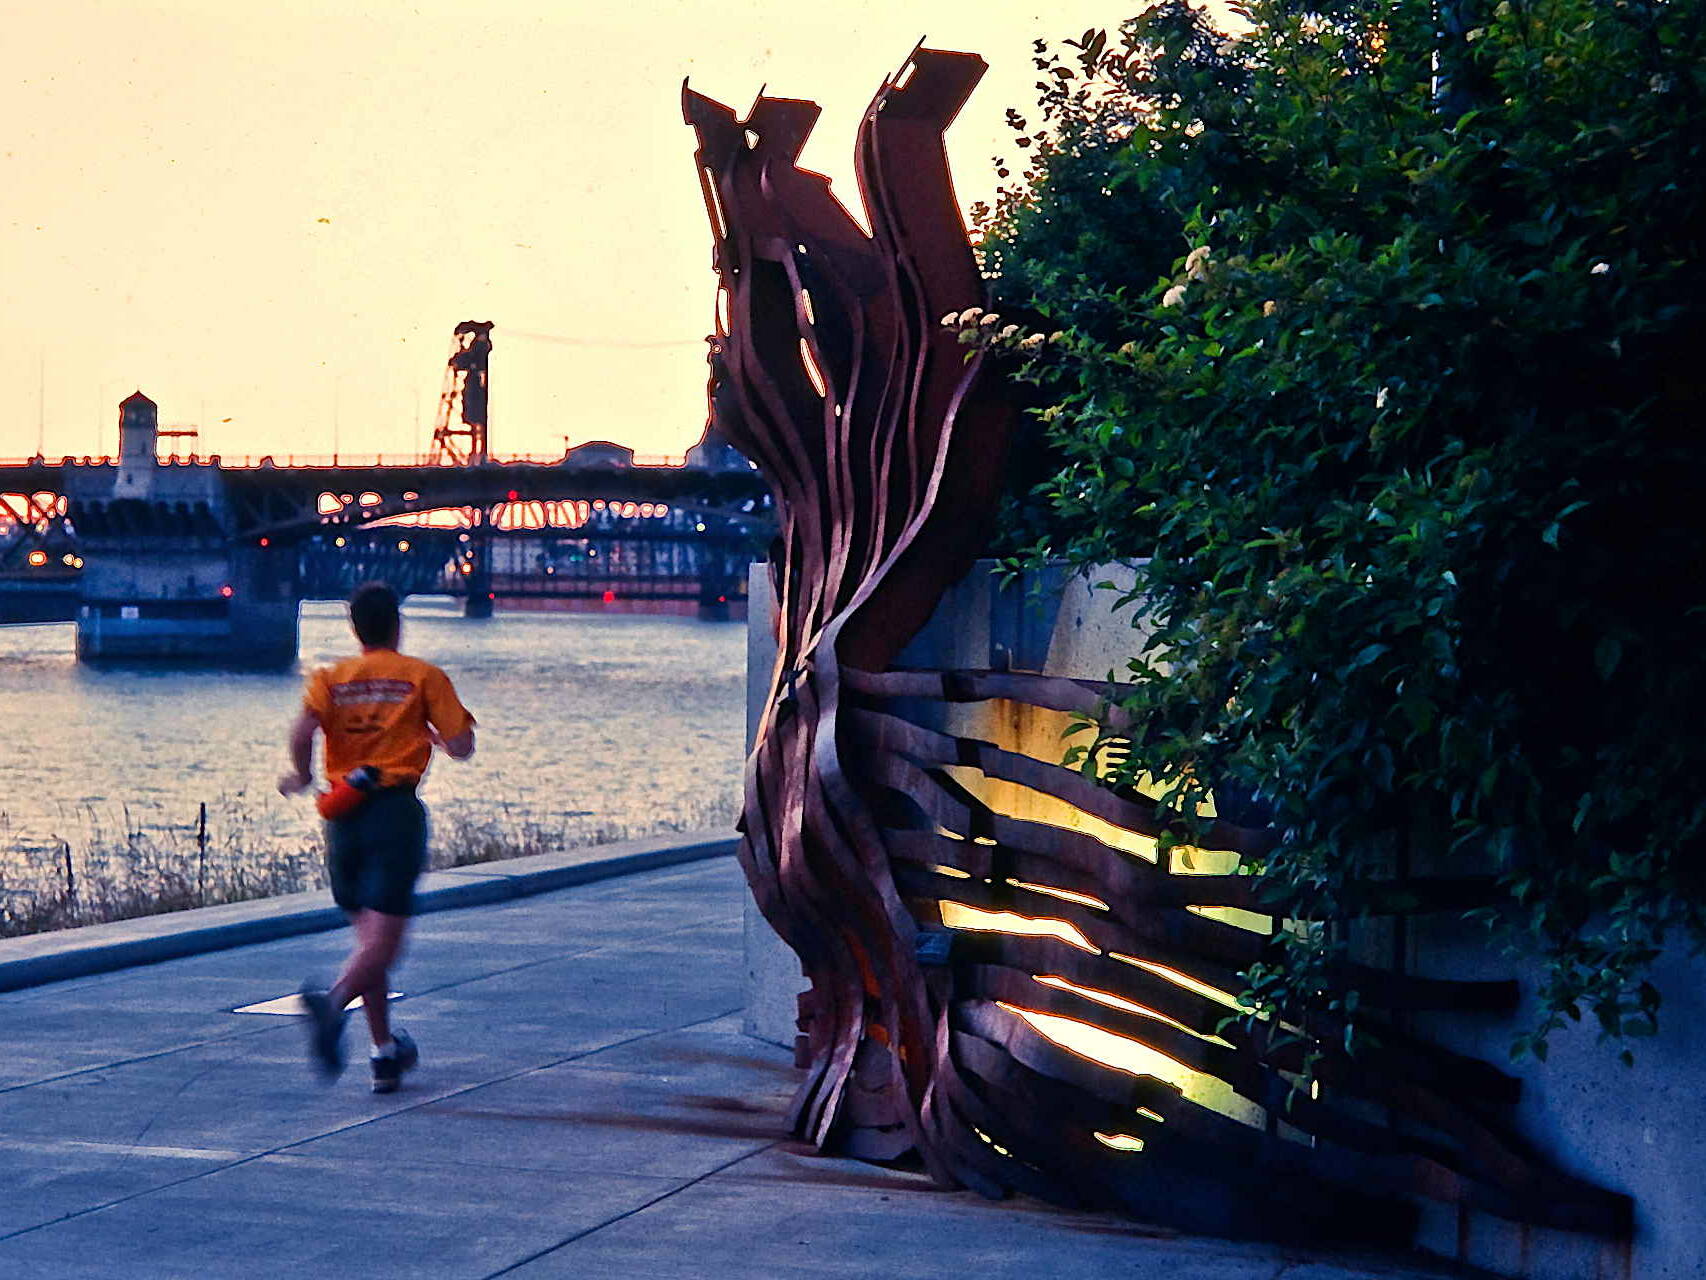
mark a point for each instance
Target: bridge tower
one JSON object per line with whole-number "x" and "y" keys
{"x": 459, "y": 436}
{"x": 459, "y": 440}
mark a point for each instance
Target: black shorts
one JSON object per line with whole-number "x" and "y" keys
{"x": 374, "y": 855}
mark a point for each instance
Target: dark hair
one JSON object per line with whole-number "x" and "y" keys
{"x": 373, "y": 614}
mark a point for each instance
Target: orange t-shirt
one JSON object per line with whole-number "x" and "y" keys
{"x": 375, "y": 709}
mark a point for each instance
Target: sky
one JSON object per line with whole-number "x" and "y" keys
{"x": 270, "y": 217}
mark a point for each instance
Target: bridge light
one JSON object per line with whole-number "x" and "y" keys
{"x": 609, "y": 596}
{"x": 512, "y": 495}
{"x": 722, "y": 599}
{"x": 409, "y": 495}
{"x": 370, "y": 499}
{"x": 598, "y": 504}
{"x": 68, "y": 559}
{"x": 266, "y": 542}
{"x": 550, "y": 569}
{"x": 226, "y": 592}
{"x": 38, "y": 558}
{"x": 699, "y": 528}
{"x": 338, "y": 542}
{"x": 403, "y": 545}
{"x": 462, "y": 537}
{"x": 467, "y": 568}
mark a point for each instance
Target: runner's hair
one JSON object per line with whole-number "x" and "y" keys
{"x": 373, "y": 613}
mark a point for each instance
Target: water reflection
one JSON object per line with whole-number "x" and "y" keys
{"x": 588, "y": 725}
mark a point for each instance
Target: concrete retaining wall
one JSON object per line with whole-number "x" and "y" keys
{"x": 1641, "y": 1131}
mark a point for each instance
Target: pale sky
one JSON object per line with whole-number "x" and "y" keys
{"x": 276, "y": 213}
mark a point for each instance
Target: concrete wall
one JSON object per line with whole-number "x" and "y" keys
{"x": 1641, "y": 1131}
{"x": 773, "y": 977}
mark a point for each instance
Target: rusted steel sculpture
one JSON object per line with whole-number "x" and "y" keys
{"x": 883, "y": 438}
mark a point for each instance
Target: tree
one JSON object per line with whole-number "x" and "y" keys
{"x": 1391, "y": 383}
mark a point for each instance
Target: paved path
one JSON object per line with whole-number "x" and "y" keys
{"x": 586, "y": 1107}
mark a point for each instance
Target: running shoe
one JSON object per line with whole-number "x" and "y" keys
{"x": 388, "y": 1070}
{"x": 325, "y": 1032}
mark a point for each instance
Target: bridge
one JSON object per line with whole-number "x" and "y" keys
{"x": 207, "y": 557}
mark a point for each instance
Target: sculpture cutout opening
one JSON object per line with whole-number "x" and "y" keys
{"x": 1023, "y": 996}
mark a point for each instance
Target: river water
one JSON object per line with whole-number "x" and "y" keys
{"x": 590, "y": 727}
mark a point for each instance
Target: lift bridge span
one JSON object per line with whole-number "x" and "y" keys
{"x": 193, "y": 557}
{"x": 205, "y": 559}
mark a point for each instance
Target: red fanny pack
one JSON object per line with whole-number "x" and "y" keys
{"x": 347, "y": 793}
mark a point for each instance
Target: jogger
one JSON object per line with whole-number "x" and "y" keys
{"x": 381, "y": 714}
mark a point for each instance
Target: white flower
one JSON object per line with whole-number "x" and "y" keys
{"x": 1057, "y": 336}
{"x": 1196, "y": 262}
{"x": 1269, "y": 307}
{"x": 1031, "y": 343}
{"x": 1130, "y": 349}
{"x": 1380, "y": 397}
{"x": 950, "y": 320}
{"x": 970, "y": 315}
{"x": 1008, "y": 334}
{"x": 989, "y": 320}
{"x": 1174, "y": 296}
{"x": 1600, "y": 269}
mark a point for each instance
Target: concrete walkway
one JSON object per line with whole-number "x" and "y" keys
{"x": 586, "y": 1106}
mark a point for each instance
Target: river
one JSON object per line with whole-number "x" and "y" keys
{"x": 590, "y": 727}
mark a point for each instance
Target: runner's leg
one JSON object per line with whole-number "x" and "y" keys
{"x": 367, "y": 972}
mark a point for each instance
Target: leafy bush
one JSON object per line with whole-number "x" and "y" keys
{"x": 1382, "y": 350}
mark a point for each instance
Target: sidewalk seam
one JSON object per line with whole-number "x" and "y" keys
{"x": 610, "y": 1222}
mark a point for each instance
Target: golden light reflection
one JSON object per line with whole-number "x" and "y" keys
{"x": 1065, "y": 895}
{"x": 1122, "y": 1053}
{"x": 1119, "y": 1052}
{"x": 1120, "y": 1002}
{"x": 809, "y": 363}
{"x": 1179, "y": 979}
{"x": 957, "y": 915}
{"x": 952, "y": 872}
{"x": 1014, "y": 800}
{"x": 1237, "y": 917}
{"x": 1189, "y": 860}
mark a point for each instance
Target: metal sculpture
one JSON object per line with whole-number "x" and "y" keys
{"x": 867, "y": 828}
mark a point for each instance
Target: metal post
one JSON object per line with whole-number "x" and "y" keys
{"x": 479, "y": 578}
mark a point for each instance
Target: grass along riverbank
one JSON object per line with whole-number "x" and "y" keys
{"x": 125, "y": 863}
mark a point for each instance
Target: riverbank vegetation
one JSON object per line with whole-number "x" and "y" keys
{"x": 123, "y": 863}
{"x": 1370, "y": 334}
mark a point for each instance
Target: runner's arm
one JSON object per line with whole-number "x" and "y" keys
{"x": 301, "y": 746}
{"x": 458, "y": 747}
{"x": 444, "y": 710}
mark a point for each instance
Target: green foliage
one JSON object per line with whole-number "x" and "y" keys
{"x": 1390, "y": 384}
